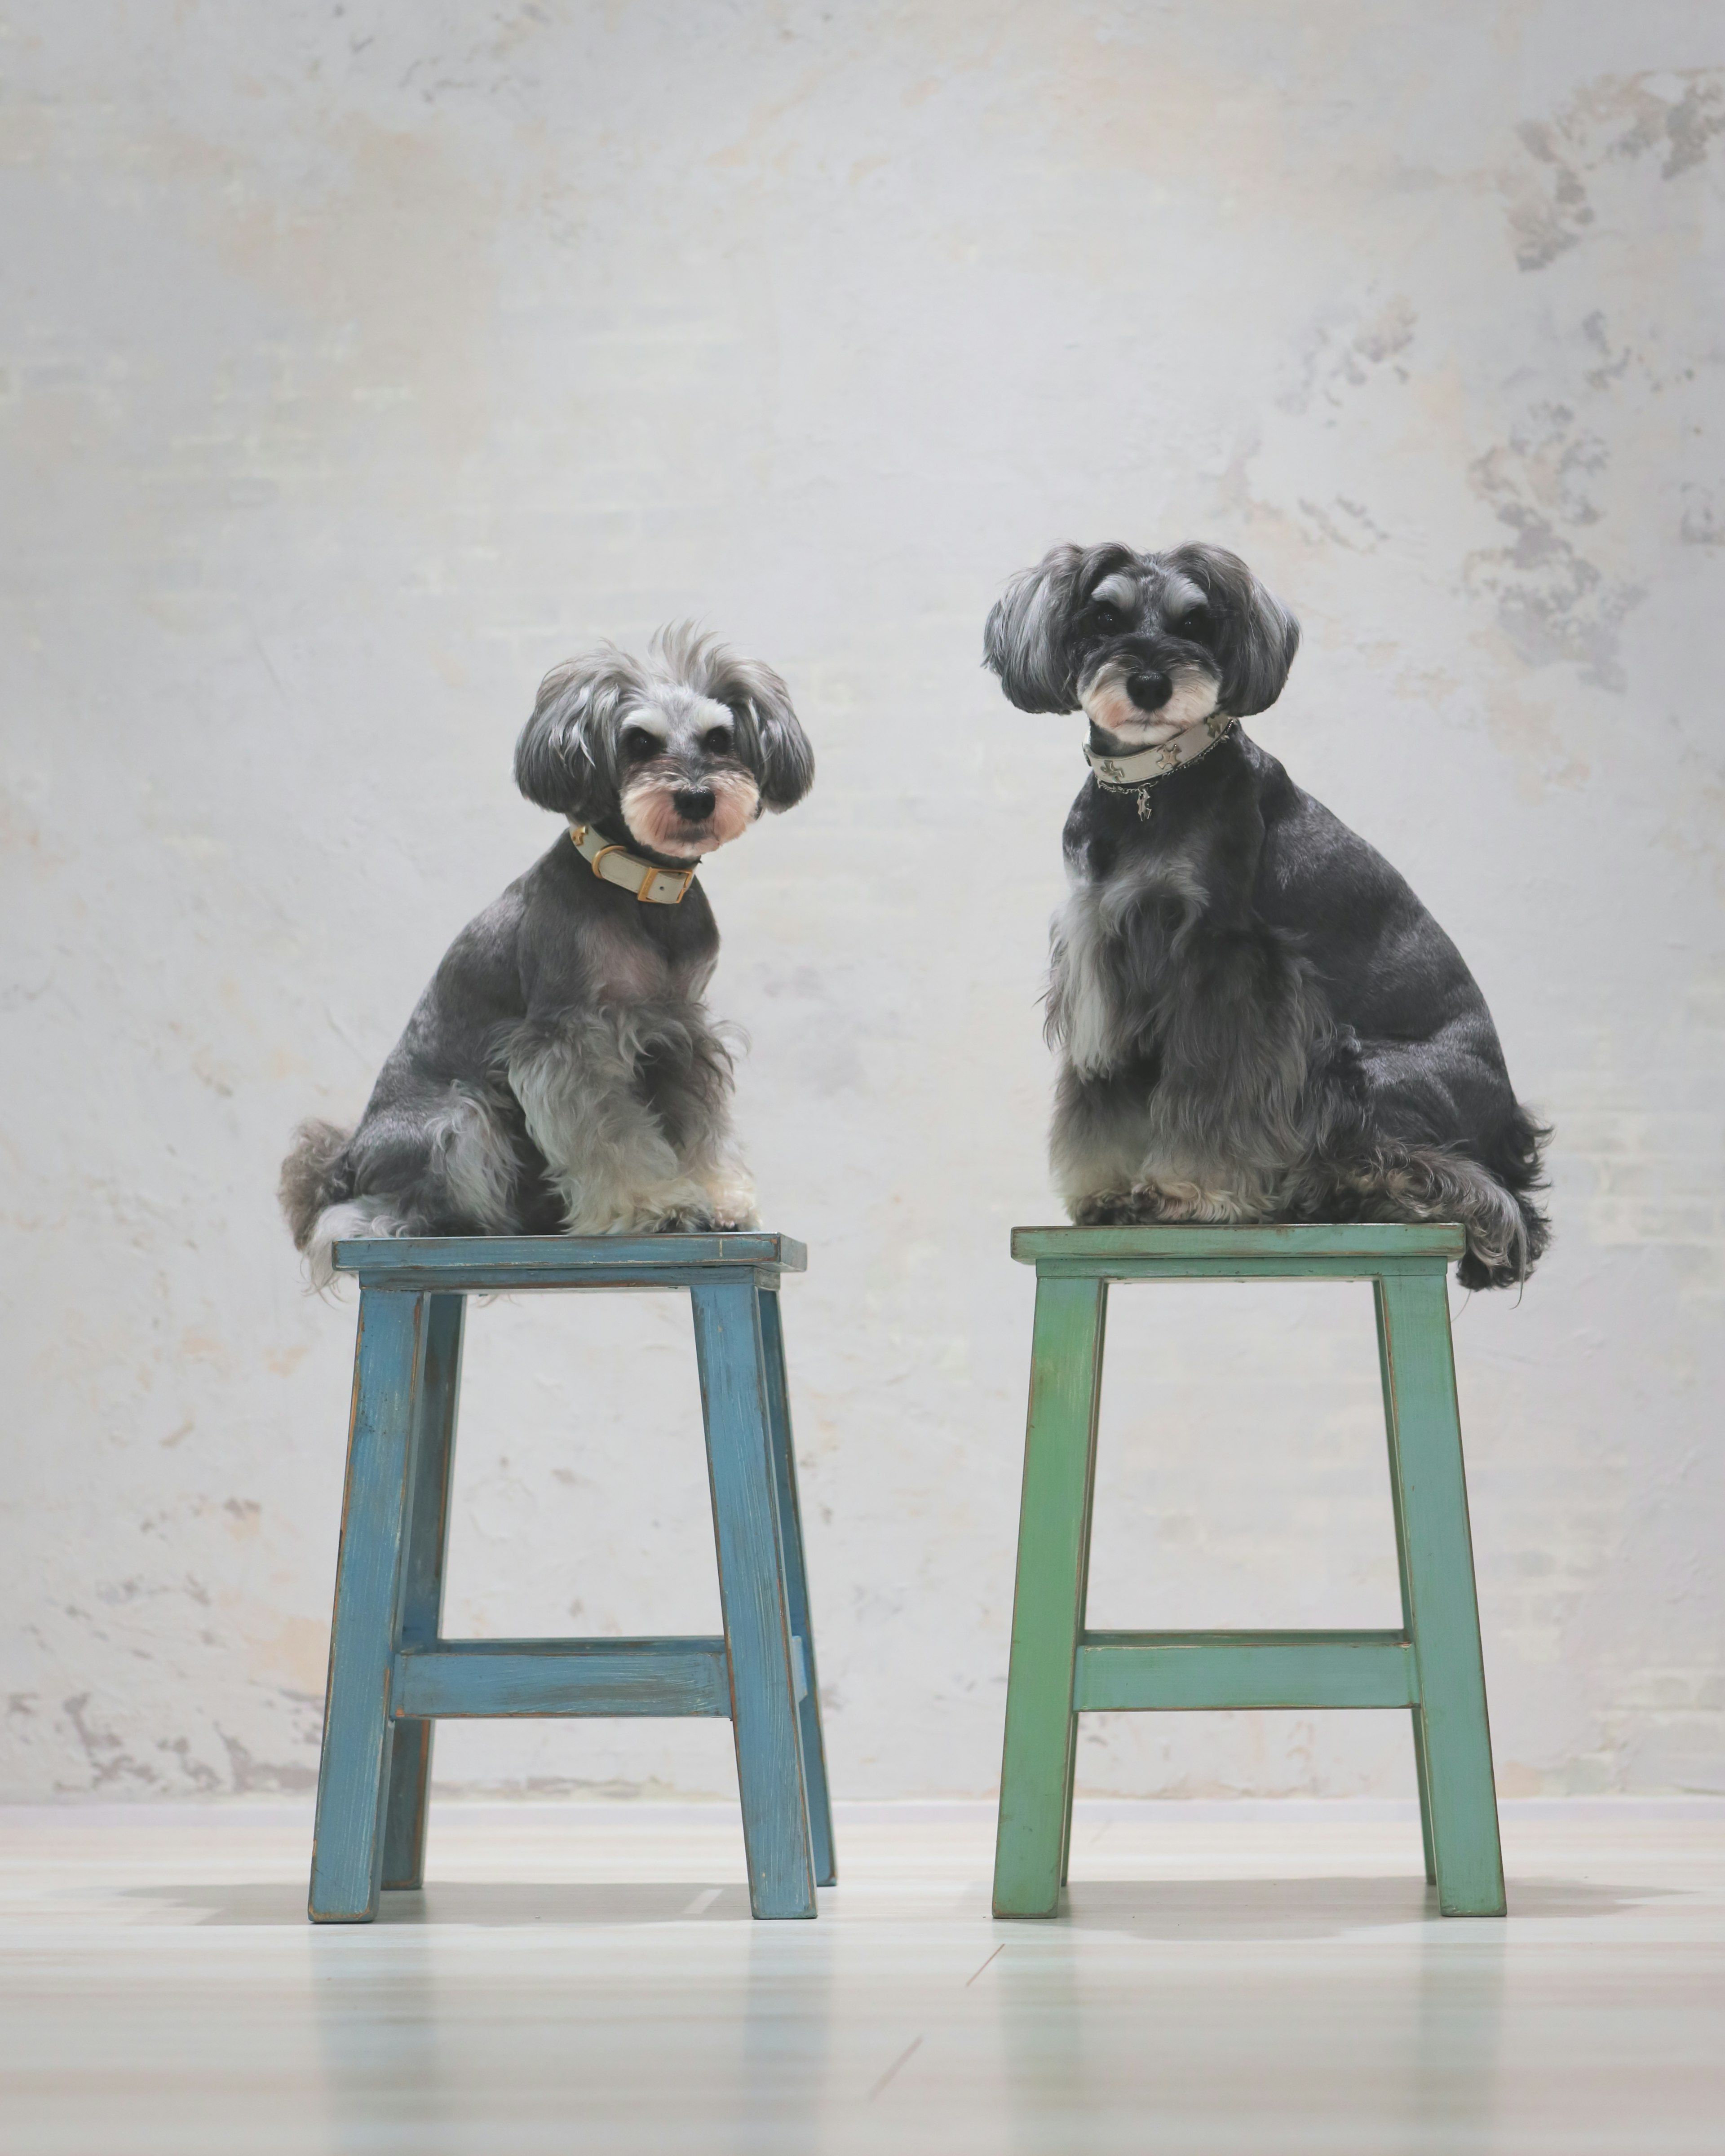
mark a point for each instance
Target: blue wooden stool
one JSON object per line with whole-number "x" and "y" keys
{"x": 1432, "y": 1664}
{"x": 392, "y": 1674}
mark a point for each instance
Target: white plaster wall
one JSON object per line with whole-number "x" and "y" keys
{"x": 359, "y": 362}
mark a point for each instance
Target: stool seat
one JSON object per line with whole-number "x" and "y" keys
{"x": 392, "y": 1675}
{"x": 1431, "y": 1666}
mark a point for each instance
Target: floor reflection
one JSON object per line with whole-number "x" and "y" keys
{"x": 1453, "y": 2077}
{"x": 1223, "y": 2039}
{"x": 1295, "y": 2010}
{"x": 492, "y": 2005}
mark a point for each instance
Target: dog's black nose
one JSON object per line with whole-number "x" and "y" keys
{"x": 695, "y": 803}
{"x": 1149, "y": 692}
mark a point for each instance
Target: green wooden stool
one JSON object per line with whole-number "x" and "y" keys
{"x": 1432, "y": 1664}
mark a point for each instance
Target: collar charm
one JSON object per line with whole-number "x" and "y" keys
{"x": 613, "y": 864}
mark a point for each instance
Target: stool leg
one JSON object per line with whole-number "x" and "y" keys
{"x": 796, "y": 1575}
{"x": 1036, "y": 1769}
{"x": 1401, "y": 1568}
{"x": 353, "y": 1774}
{"x": 421, "y": 1580}
{"x": 1430, "y": 1481}
{"x": 1427, "y": 1849}
{"x": 751, "y": 1589}
{"x": 1070, "y": 1784}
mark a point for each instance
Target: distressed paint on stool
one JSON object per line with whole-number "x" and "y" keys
{"x": 392, "y": 1675}
{"x": 1433, "y": 1666}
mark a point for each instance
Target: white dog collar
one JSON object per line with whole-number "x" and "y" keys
{"x": 1125, "y": 774}
{"x": 617, "y": 864}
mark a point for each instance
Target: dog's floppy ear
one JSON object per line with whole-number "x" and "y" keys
{"x": 567, "y": 756}
{"x": 784, "y": 760}
{"x": 1255, "y": 637}
{"x": 1025, "y": 641}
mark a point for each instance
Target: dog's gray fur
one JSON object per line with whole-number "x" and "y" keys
{"x": 562, "y": 1073}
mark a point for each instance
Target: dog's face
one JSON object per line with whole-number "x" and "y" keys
{"x": 1148, "y": 645}
{"x": 684, "y": 749}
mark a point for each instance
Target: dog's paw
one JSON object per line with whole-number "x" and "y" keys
{"x": 1145, "y": 1205}
{"x": 686, "y": 1220}
{"x": 730, "y": 1198}
{"x": 1110, "y": 1209}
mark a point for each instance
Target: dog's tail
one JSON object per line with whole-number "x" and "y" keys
{"x": 314, "y": 1176}
{"x": 1520, "y": 1165}
{"x": 1506, "y": 1233}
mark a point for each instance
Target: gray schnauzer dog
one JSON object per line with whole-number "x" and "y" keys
{"x": 562, "y": 1075}
{"x": 1257, "y": 1020}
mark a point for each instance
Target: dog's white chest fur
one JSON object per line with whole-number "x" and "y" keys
{"x": 1090, "y": 1013}
{"x": 1084, "y": 1007}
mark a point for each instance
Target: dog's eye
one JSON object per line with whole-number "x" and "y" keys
{"x": 717, "y": 741}
{"x": 639, "y": 745}
{"x": 1195, "y": 622}
{"x": 1105, "y": 615}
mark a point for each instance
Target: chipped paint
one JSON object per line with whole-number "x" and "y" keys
{"x": 1672, "y": 121}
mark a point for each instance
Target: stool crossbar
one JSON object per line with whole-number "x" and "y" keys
{"x": 392, "y": 1675}
{"x": 1431, "y": 1666}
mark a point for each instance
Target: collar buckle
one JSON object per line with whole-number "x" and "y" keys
{"x": 612, "y": 863}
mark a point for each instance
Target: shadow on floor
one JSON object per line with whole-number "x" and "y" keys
{"x": 500, "y": 1904}
{"x": 1311, "y": 1908}
{"x": 1142, "y": 1908}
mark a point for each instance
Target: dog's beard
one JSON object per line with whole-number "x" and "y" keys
{"x": 1107, "y": 705}
{"x": 650, "y": 810}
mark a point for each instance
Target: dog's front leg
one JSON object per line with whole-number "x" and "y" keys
{"x": 607, "y": 1153}
{"x": 689, "y": 1086}
{"x": 1212, "y": 1121}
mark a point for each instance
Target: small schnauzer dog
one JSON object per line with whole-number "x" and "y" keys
{"x": 562, "y": 1075}
{"x": 1257, "y": 1020}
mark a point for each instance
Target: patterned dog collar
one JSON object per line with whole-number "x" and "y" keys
{"x": 1147, "y": 767}
{"x": 617, "y": 864}
{"x": 1120, "y": 774}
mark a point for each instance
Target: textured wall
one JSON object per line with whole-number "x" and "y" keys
{"x": 360, "y": 362}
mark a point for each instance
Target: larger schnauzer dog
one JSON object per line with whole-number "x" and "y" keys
{"x": 1257, "y": 1020}
{"x": 561, "y": 1074}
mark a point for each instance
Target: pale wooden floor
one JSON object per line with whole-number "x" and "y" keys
{"x": 1229, "y": 1978}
